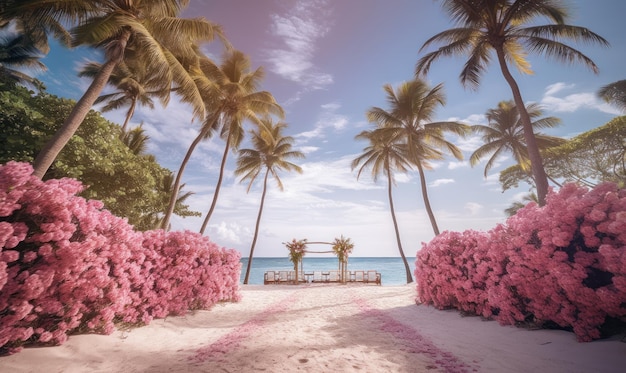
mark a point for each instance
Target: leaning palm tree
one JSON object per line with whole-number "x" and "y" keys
{"x": 134, "y": 83}
{"x": 411, "y": 106}
{"x": 384, "y": 155}
{"x": 505, "y": 133}
{"x": 508, "y": 27}
{"x": 271, "y": 154}
{"x": 615, "y": 94}
{"x": 231, "y": 95}
{"x": 117, "y": 26}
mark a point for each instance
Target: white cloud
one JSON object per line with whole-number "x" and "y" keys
{"x": 299, "y": 30}
{"x": 326, "y": 176}
{"x": 493, "y": 179}
{"x": 555, "y": 88}
{"x": 469, "y": 144}
{"x": 328, "y": 118}
{"x": 457, "y": 164}
{"x": 308, "y": 149}
{"x": 473, "y": 207}
{"x": 471, "y": 119}
{"x": 573, "y": 102}
{"x": 439, "y": 182}
{"x": 232, "y": 232}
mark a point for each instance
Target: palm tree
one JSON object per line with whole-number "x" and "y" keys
{"x": 33, "y": 27}
{"x": 505, "y": 132}
{"x": 411, "y": 105}
{"x": 16, "y": 52}
{"x": 135, "y": 85}
{"x": 117, "y": 26}
{"x": 615, "y": 94}
{"x": 239, "y": 100}
{"x": 231, "y": 95}
{"x": 518, "y": 205}
{"x": 271, "y": 154}
{"x": 137, "y": 141}
{"x": 384, "y": 155}
{"x": 508, "y": 28}
{"x": 181, "y": 208}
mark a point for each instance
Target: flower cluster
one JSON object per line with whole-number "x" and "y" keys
{"x": 69, "y": 266}
{"x": 297, "y": 249}
{"x": 563, "y": 264}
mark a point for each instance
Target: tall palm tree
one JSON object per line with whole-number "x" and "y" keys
{"x": 135, "y": 85}
{"x": 231, "y": 95}
{"x": 508, "y": 27}
{"x": 505, "y": 132}
{"x": 239, "y": 101}
{"x": 410, "y": 107}
{"x": 116, "y": 26}
{"x": 271, "y": 154}
{"x": 615, "y": 94}
{"x": 384, "y": 155}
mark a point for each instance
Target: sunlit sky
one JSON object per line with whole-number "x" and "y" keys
{"x": 326, "y": 62}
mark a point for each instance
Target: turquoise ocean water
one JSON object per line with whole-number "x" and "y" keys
{"x": 392, "y": 269}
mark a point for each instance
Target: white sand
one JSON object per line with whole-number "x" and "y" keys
{"x": 323, "y": 328}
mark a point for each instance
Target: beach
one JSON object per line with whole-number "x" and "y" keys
{"x": 322, "y": 328}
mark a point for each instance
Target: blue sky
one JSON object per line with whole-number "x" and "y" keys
{"x": 326, "y": 62}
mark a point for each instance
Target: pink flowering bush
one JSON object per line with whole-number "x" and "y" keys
{"x": 69, "y": 266}
{"x": 562, "y": 264}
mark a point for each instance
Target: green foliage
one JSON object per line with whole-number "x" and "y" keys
{"x": 130, "y": 184}
{"x": 590, "y": 158}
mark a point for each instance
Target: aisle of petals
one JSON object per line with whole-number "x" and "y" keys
{"x": 233, "y": 340}
{"x": 414, "y": 342}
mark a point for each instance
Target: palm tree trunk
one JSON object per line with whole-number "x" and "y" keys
{"x": 218, "y": 186}
{"x": 53, "y": 147}
{"x": 409, "y": 276}
{"x": 256, "y": 233}
{"x": 176, "y": 188}
{"x": 429, "y": 210}
{"x": 536, "y": 164}
{"x": 129, "y": 114}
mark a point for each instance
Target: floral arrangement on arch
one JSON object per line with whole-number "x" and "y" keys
{"x": 342, "y": 247}
{"x": 297, "y": 249}
{"x": 563, "y": 264}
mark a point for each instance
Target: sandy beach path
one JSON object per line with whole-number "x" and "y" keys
{"x": 320, "y": 329}
{"x": 323, "y": 328}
